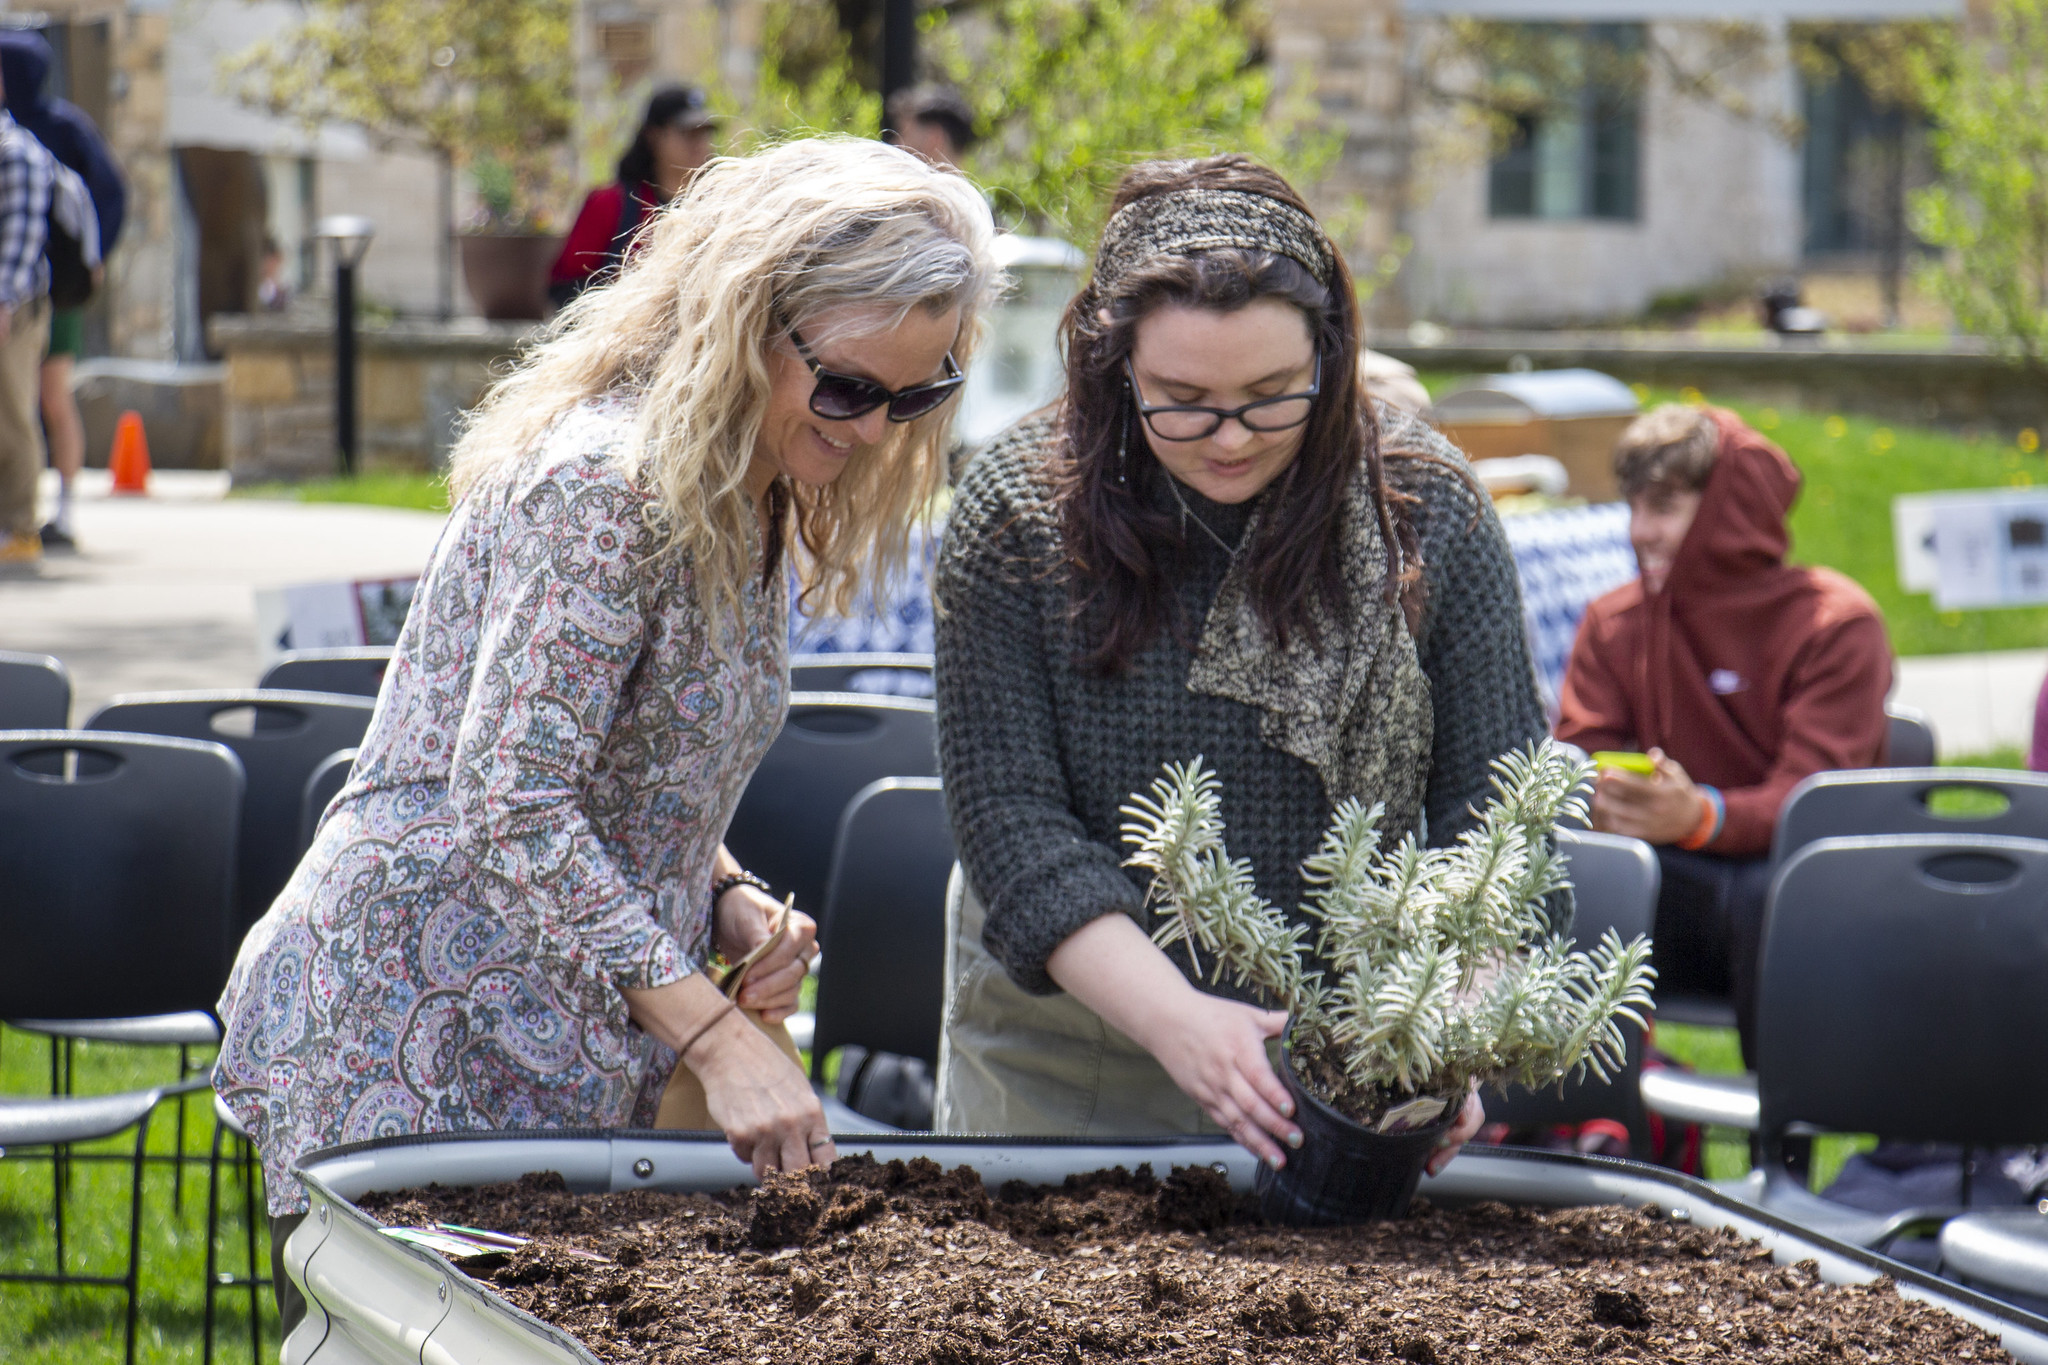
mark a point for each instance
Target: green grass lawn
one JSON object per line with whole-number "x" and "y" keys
{"x": 1854, "y": 467}
{"x": 47, "y": 1325}
{"x": 378, "y": 488}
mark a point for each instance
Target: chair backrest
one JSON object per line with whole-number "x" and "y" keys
{"x": 1909, "y": 738}
{"x": 353, "y": 672}
{"x": 832, "y": 745}
{"x": 35, "y": 692}
{"x": 118, "y": 857}
{"x": 1615, "y": 882}
{"x": 321, "y": 788}
{"x": 1901, "y": 990}
{"x": 1842, "y": 805}
{"x": 881, "y": 965}
{"x": 896, "y": 675}
{"x": 281, "y": 737}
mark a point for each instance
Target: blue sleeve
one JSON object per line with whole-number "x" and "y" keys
{"x": 87, "y": 153}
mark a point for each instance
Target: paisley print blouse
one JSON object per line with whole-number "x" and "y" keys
{"x": 530, "y": 826}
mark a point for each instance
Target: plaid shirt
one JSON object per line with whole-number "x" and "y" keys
{"x": 27, "y": 172}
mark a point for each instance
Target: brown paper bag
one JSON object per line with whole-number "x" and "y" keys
{"x": 683, "y": 1105}
{"x": 682, "y": 1102}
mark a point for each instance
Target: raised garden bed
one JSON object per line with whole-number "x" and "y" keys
{"x": 908, "y": 1261}
{"x": 899, "y": 1258}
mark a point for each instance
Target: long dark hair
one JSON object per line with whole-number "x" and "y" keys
{"x": 636, "y": 164}
{"x": 1124, "y": 549}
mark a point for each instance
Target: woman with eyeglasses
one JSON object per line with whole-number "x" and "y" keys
{"x": 1213, "y": 545}
{"x": 504, "y": 917}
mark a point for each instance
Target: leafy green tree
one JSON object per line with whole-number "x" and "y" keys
{"x": 1990, "y": 209}
{"x": 488, "y": 85}
{"x": 1885, "y": 60}
{"x": 807, "y": 82}
{"x": 1071, "y": 92}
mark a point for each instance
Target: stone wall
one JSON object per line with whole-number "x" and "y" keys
{"x": 1963, "y": 386}
{"x": 415, "y": 381}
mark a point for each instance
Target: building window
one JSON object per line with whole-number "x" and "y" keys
{"x": 1574, "y": 150}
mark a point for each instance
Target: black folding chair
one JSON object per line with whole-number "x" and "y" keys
{"x": 1939, "y": 801}
{"x": 1614, "y": 886}
{"x": 120, "y": 855}
{"x": 1895, "y": 800}
{"x": 321, "y": 788}
{"x": 1909, "y": 738}
{"x": 833, "y": 745}
{"x": 354, "y": 672}
{"x": 35, "y": 692}
{"x": 896, "y": 675}
{"x": 881, "y": 960}
{"x": 1900, "y": 994}
{"x": 281, "y": 738}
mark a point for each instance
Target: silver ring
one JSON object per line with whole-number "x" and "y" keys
{"x": 820, "y": 1142}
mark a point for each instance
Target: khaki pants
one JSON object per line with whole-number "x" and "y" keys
{"x": 21, "y": 428}
{"x": 1039, "y": 1065}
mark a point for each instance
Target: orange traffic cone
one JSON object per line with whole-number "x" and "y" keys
{"x": 129, "y": 462}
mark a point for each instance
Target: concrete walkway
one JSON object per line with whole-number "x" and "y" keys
{"x": 163, "y": 592}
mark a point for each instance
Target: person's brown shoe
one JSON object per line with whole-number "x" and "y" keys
{"x": 21, "y": 550}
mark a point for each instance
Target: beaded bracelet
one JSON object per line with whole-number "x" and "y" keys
{"x": 739, "y": 878}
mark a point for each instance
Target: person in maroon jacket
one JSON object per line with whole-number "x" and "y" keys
{"x": 1738, "y": 674}
{"x": 671, "y": 146}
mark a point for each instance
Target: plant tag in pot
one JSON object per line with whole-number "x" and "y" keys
{"x": 1419, "y": 1112}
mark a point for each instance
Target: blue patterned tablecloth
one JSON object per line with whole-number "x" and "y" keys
{"x": 1564, "y": 558}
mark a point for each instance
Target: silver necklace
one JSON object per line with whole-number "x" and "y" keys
{"x": 1173, "y": 487}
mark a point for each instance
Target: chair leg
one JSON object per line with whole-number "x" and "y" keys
{"x": 57, "y": 1201}
{"x": 178, "y": 1161}
{"x": 134, "y": 1276}
{"x": 57, "y": 1153}
{"x": 249, "y": 1243}
{"x": 212, "y": 1235}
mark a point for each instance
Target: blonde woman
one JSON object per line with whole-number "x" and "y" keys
{"x": 501, "y": 920}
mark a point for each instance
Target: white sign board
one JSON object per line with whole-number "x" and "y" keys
{"x": 1989, "y": 549}
{"x": 331, "y": 615}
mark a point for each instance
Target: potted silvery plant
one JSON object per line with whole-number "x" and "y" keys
{"x": 1432, "y": 969}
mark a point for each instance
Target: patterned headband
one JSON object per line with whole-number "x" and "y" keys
{"x": 1187, "y": 221}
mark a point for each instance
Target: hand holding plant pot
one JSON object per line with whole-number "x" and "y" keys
{"x": 1434, "y": 969}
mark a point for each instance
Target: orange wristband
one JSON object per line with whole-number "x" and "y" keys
{"x": 1710, "y": 817}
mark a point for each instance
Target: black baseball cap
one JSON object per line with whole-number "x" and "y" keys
{"x": 683, "y": 107}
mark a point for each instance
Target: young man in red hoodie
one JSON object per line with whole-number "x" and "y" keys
{"x": 1737, "y": 673}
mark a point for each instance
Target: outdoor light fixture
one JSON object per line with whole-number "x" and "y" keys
{"x": 350, "y": 233}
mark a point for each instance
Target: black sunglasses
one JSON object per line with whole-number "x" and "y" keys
{"x": 842, "y": 397}
{"x": 1187, "y": 422}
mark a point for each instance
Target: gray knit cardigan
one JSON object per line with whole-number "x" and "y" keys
{"x": 1037, "y": 755}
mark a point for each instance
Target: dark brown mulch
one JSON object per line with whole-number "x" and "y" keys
{"x": 912, "y": 1265}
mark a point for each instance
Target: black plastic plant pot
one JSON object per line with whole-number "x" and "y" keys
{"x": 1343, "y": 1172}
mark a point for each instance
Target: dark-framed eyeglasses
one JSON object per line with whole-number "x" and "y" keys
{"x": 1187, "y": 422}
{"x": 843, "y": 397}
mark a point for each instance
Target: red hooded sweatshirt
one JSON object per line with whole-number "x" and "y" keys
{"x": 1750, "y": 672}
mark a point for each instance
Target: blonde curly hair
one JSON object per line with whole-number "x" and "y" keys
{"x": 758, "y": 245}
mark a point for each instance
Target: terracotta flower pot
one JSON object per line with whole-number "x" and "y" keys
{"x": 1343, "y": 1172}
{"x": 508, "y": 275}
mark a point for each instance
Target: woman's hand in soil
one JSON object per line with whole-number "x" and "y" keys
{"x": 1214, "y": 1049}
{"x": 756, "y": 1095}
{"x": 743, "y": 917}
{"x": 1470, "y": 1119}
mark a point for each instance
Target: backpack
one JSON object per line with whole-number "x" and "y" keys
{"x": 72, "y": 246}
